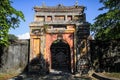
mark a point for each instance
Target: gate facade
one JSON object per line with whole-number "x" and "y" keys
{"x": 59, "y": 31}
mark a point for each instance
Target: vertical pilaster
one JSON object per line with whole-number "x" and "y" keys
{"x": 66, "y": 18}
{"x": 72, "y": 17}
{"x": 45, "y": 18}
{"x": 53, "y": 18}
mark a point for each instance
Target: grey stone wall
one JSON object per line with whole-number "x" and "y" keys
{"x": 105, "y": 55}
{"x": 15, "y": 56}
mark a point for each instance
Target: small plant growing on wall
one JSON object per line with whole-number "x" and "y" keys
{"x": 44, "y": 29}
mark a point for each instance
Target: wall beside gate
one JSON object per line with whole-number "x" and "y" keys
{"x": 105, "y": 55}
{"x": 15, "y": 56}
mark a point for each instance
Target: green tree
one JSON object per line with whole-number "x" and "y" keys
{"x": 9, "y": 18}
{"x": 12, "y": 37}
{"x": 107, "y": 25}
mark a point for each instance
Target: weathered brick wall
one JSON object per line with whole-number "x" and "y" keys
{"x": 15, "y": 56}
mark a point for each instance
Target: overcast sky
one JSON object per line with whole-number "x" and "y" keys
{"x": 26, "y": 6}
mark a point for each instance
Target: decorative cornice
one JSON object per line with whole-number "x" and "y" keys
{"x": 59, "y": 8}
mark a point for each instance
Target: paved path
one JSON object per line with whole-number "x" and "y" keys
{"x": 53, "y": 75}
{"x": 101, "y": 76}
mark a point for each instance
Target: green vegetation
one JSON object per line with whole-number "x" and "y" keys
{"x": 12, "y": 37}
{"x": 107, "y": 25}
{"x": 9, "y": 18}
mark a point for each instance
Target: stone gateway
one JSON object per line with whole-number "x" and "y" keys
{"x": 56, "y": 35}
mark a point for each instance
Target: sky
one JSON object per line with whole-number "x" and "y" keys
{"x": 26, "y": 6}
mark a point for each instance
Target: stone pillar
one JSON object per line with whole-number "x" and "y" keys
{"x": 53, "y": 17}
{"x": 45, "y": 18}
{"x": 72, "y": 17}
{"x": 66, "y": 18}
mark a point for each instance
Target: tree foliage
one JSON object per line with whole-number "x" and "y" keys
{"x": 107, "y": 25}
{"x": 9, "y": 18}
{"x": 12, "y": 37}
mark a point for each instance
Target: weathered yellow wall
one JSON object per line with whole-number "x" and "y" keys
{"x": 34, "y": 46}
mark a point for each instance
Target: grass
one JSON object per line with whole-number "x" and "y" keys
{"x": 114, "y": 75}
{"x": 5, "y": 76}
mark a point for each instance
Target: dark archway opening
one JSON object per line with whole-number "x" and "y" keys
{"x": 60, "y": 56}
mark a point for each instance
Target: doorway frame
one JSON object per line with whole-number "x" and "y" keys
{"x": 50, "y": 37}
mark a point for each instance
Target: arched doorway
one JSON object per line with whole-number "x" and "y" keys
{"x": 60, "y": 55}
